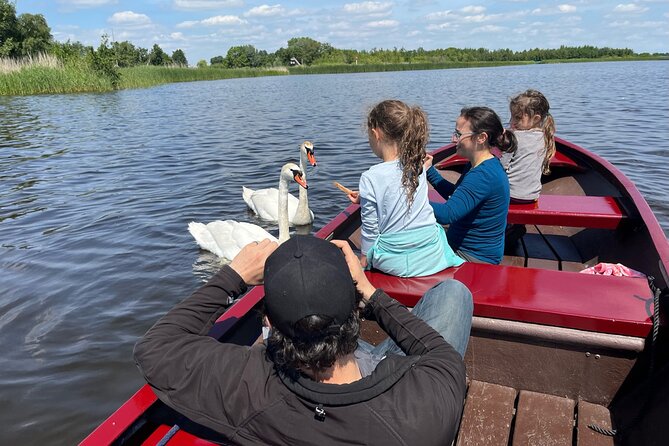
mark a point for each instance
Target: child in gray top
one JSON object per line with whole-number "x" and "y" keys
{"x": 534, "y": 128}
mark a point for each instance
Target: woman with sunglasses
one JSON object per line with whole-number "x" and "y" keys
{"x": 478, "y": 203}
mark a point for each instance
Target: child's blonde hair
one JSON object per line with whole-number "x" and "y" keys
{"x": 407, "y": 126}
{"x": 532, "y": 102}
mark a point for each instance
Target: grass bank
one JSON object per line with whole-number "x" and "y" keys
{"x": 48, "y": 76}
{"x": 54, "y": 78}
{"x": 148, "y": 76}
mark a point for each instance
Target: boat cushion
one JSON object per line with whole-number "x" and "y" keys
{"x": 617, "y": 305}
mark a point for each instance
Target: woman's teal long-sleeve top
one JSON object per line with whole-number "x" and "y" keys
{"x": 476, "y": 209}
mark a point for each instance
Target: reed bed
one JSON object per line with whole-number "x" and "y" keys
{"x": 147, "y": 76}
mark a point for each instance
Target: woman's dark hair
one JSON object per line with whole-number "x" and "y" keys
{"x": 408, "y": 127}
{"x": 317, "y": 344}
{"x": 484, "y": 119}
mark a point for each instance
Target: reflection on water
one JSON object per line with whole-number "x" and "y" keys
{"x": 96, "y": 192}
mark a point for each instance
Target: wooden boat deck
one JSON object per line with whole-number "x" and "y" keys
{"x": 499, "y": 415}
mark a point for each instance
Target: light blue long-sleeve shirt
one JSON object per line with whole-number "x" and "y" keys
{"x": 384, "y": 207}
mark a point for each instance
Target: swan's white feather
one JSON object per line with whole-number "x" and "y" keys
{"x": 265, "y": 203}
{"x": 226, "y": 238}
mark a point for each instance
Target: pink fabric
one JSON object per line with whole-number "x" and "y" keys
{"x": 612, "y": 269}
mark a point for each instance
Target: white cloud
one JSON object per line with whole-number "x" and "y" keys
{"x": 223, "y": 20}
{"x": 475, "y": 18}
{"x": 383, "y": 24}
{"x": 367, "y": 7}
{"x": 567, "y": 8}
{"x": 473, "y": 9}
{"x": 87, "y": 3}
{"x": 439, "y": 15}
{"x": 177, "y": 36}
{"x": 413, "y": 33}
{"x": 207, "y": 4}
{"x": 188, "y": 24}
{"x": 630, "y": 7}
{"x": 129, "y": 18}
{"x": 440, "y": 27}
{"x": 488, "y": 29}
{"x": 265, "y": 11}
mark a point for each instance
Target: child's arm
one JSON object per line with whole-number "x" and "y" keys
{"x": 368, "y": 215}
{"x": 354, "y": 196}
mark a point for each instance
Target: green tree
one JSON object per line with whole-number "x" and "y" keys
{"x": 178, "y": 57}
{"x": 304, "y": 49}
{"x": 217, "y": 60}
{"x": 127, "y": 55}
{"x": 103, "y": 61}
{"x": 8, "y": 29}
{"x": 158, "y": 57}
{"x": 34, "y": 34}
{"x": 241, "y": 56}
{"x": 201, "y": 63}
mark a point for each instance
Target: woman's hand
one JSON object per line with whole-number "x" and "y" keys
{"x": 427, "y": 162}
{"x": 354, "y": 196}
{"x": 355, "y": 268}
{"x": 250, "y": 262}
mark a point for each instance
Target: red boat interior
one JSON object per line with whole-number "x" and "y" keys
{"x": 555, "y": 357}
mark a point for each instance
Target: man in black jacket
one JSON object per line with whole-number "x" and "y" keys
{"x": 313, "y": 381}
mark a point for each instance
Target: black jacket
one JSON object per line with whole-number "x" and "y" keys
{"x": 408, "y": 400}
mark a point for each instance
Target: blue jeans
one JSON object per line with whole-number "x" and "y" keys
{"x": 447, "y": 307}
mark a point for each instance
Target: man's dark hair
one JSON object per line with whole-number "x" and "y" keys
{"x": 316, "y": 346}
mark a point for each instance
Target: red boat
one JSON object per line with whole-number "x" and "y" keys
{"x": 555, "y": 356}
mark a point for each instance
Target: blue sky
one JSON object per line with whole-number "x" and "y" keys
{"x": 207, "y": 28}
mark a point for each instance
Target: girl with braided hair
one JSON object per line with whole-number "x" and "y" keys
{"x": 534, "y": 128}
{"x": 400, "y": 235}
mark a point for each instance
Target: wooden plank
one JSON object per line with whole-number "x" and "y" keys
{"x": 543, "y": 420}
{"x": 487, "y": 416}
{"x": 589, "y": 413}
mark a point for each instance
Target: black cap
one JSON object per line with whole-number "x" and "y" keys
{"x": 307, "y": 276}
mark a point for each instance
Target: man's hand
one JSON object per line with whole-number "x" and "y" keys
{"x": 361, "y": 282}
{"x": 354, "y": 196}
{"x": 250, "y": 262}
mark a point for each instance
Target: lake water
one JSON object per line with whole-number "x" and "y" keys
{"x": 96, "y": 191}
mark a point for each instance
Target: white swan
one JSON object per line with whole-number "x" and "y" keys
{"x": 263, "y": 202}
{"x": 226, "y": 238}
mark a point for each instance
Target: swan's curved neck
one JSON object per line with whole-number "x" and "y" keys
{"x": 303, "y": 204}
{"x": 283, "y": 210}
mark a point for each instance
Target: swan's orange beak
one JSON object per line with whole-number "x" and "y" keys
{"x": 311, "y": 157}
{"x": 300, "y": 180}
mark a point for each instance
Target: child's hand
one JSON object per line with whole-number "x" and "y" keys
{"x": 354, "y": 196}
{"x": 363, "y": 261}
{"x": 427, "y": 163}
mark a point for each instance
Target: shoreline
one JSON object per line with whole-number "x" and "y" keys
{"x": 38, "y": 80}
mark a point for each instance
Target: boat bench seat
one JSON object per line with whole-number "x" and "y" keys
{"x": 559, "y": 160}
{"x": 608, "y": 304}
{"x": 569, "y": 210}
{"x": 563, "y": 210}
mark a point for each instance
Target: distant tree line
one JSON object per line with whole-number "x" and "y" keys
{"x": 29, "y": 34}
{"x": 307, "y": 51}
